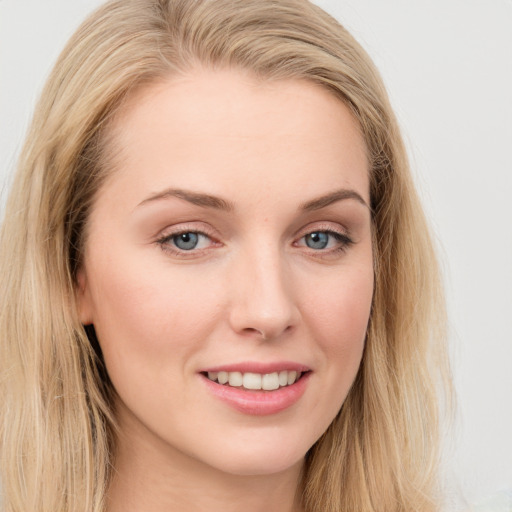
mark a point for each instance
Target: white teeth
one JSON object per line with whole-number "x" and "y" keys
{"x": 256, "y": 381}
{"x": 252, "y": 381}
{"x": 235, "y": 379}
{"x": 270, "y": 381}
{"x": 291, "y": 377}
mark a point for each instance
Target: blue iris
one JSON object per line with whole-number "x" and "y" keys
{"x": 186, "y": 241}
{"x": 317, "y": 240}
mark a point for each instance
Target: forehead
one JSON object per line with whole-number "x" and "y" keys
{"x": 219, "y": 128}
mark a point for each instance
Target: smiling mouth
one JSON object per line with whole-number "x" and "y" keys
{"x": 256, "y": 381}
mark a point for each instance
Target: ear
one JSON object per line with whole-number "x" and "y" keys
{"x": 83, "y": 298}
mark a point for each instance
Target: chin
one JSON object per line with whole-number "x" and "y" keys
{"x": 257, "y": 458}
{"x": 260, "y": 466}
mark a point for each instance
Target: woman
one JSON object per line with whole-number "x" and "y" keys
{"x": 175, "y": 337}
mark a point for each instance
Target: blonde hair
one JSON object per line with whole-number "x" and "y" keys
{"x": 57, "y": 427}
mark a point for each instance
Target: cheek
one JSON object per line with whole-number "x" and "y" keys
{"x": 338, "y": 319}
{"x": 141, "y": 315}
{"x": 341, "y": 307}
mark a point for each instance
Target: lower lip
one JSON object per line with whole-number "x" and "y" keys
{"x": 259, "y": 403}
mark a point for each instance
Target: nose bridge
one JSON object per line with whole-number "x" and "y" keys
{"x": 263, "y": 299}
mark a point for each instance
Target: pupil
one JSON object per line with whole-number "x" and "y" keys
{"x": 186, "y": 241}
{"x": 317, "y": 240}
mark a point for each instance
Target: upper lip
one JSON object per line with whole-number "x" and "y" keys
{"x": 258, "y": 367}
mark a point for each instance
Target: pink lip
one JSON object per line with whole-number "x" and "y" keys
{"x": 258, "y": 403}
{"x": 255, "y": 367}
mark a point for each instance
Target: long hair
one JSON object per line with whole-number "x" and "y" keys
{"x": 57, "y": 429}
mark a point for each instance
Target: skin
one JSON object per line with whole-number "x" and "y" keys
{"x": 252, "y": 290}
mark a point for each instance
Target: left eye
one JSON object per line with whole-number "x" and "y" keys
{"x": 317, "y": 240}
{"x": 189, "y": 240}
{"x": 320, "y": 240}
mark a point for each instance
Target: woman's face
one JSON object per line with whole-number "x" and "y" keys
{"x": 232, "y": 241}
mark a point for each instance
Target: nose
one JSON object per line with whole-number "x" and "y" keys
{"x": 263, "y": 304}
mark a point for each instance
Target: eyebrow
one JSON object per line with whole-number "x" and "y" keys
{"x": 197, "y": 198}
{"x": 332, "y": 197}
{"x": 217, "y": 203}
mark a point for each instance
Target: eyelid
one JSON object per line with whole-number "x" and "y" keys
{"x": 330, "y": 227}
{"x": 196, "y": 226}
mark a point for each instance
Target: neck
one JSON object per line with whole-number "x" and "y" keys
{"x": 148, "y": 476}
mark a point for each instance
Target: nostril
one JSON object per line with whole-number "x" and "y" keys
{"x": 266, "y": 334}
{"x": 258, "y": 332}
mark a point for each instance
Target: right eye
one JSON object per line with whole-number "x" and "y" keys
{"x": 185, "y": 241}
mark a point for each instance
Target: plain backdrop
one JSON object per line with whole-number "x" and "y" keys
{"x": 448, "y": 68}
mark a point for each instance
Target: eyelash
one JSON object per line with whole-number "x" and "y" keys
{"x": 344, "y": 242}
